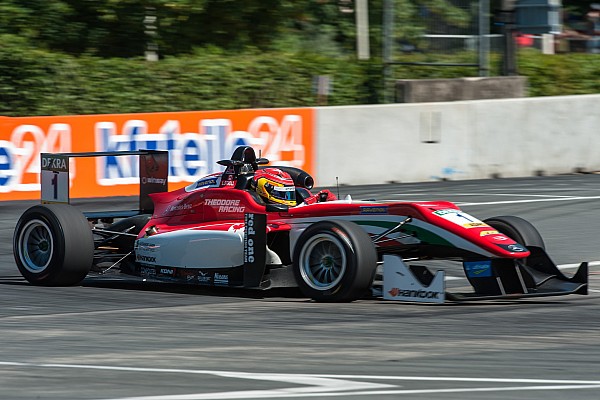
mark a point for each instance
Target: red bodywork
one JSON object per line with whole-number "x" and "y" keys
{"x": 220, "y": 206}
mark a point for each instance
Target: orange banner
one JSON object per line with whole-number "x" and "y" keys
{"x": 195, "y": 141}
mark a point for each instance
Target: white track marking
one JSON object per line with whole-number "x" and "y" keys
{"x": 326, "y": 385}
{"x": 569, "y": 266}
{"x": 529, "y": 201}
{"x": 511, "y": 195}
{"x": 462, "y": 379}
{"x": 166, "y": 308}
{"x": 545, "y": 198}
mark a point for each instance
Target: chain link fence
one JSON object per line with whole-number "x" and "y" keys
{"x": 439, "y": 33}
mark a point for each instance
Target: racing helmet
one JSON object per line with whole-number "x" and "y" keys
{"x": 275, "y": 186}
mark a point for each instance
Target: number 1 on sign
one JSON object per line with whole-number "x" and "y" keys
{"x": 55, "y": 186}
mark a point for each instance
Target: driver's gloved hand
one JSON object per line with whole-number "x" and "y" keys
{"x": 322, "y": 196}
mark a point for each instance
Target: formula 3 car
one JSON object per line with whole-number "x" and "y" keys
{"x": 218, "y": 232}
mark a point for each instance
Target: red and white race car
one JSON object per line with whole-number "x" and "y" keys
{"x": 218, "y": 231}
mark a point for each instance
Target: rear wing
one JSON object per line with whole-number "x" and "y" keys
{"x": 153, "y": 175}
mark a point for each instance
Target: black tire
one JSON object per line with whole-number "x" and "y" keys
{"x": 518, "y": 229}
{"x": 334, "y": 261}
{"x": 53, "y": 245}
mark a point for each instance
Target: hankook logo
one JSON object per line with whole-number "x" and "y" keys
{"x": 420, "y": 294}
{"x": 142, "y": 258}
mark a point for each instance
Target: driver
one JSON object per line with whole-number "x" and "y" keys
{"x": 274, "y": 186}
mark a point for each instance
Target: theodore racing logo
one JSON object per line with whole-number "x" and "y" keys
{"x": 226, "y": 205}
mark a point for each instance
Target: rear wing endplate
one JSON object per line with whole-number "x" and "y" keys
{"x": 153, "y": 175}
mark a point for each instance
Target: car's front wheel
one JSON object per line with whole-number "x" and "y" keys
{"x": 53, "y": 245}
{"x": 334, "y": 261}
{"x": 518, "y": 229}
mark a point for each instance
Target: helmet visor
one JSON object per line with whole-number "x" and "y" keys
{"x": 286, "y": 193}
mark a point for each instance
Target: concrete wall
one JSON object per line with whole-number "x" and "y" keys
{"x": 457, "y": 140}
{"x": 430, "y": 90}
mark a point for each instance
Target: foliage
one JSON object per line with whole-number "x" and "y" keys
{"x": 560, "y": 74}
{"x": 579, "y": 7}
{"x": 86, "y": 56}
{"x": 38, "y": 82}
{"x": 127, "y": 28}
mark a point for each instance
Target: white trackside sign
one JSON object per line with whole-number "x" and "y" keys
{"x": 400, "y": 284}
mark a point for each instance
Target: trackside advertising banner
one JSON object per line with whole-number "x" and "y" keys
{"x": 195, "y": 141}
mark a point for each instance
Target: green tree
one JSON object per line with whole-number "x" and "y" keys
{"x": 120, "y": 28}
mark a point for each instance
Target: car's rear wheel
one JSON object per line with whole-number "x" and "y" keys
{"x": 53, "y": 245}
{"x": 334, "y": 261}
{"x": 518, "y": 229}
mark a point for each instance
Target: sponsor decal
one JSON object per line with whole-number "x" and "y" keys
{"x": 478, "y": 269}
{"x": 413, "y": 294}
{"x": 255, "y": 228}
{"x": 154, "y": 170}
{"x": 166, "y": 271}
{"x": 147, "y": 247}
{"x": 517, "y": 248}
{"x": 145, "y": 259}
{"x": 249, "y": 239}
{"x": 178, "y": 207}
{"x": 213, "y": 180}
{"x": 400, "y": 284}
{"x": 460, "y": 218}
{"x": 373, "y": 210}
{"x": 441, "y": 213}
{"x": 221, "y": 279}
{"x": 228, "y": 178}
{"x": 55, "y": 163}
{"x": 204, "y": 278}
{"x": 475, "y": 225}
{"x": 147, "y": 272}
{"x": 226, "y": 205}
{"x": 186, "y": 274}
{"x": 236, "y": 227}
{"x": 151, "y": 179}
{"x": 487, "y": 233}
{"x": 207, "y": 182}
{"x": 513, "y": 248}
{"x": 500, "y": 238}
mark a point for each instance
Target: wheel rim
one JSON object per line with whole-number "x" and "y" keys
{"x": 322, "y": 262}
{"x": 36, "y": 246}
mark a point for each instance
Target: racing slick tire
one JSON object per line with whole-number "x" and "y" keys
{"x": 334, "y": 261}
{"x": 518, "y": 229}
{"x": 53, "y": 245}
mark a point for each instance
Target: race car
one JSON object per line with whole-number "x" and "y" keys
{"x": 223, "y": 230}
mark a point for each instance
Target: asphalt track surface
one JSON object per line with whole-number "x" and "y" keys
{"x": 120, "y": 339}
